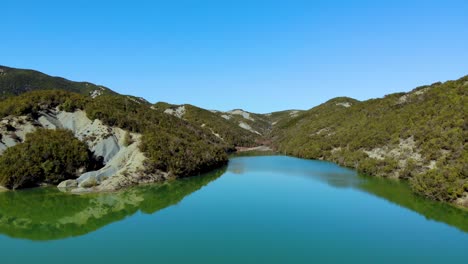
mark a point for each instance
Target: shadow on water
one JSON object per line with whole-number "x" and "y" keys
{"x": 394, "y": 191}
{"x": 47, "y": 214}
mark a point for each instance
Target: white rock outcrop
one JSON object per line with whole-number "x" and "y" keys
{"x": 227, "y": 117}
{"x": 97, "y": 92}
{"x": 241, "y": 113}
{"x": 248, "y": 127}
{"x": 122, "y": 164}
{"x": 178, "y": 112}
{"x": 344, "y": 104}
{"x": 294, "y": 113}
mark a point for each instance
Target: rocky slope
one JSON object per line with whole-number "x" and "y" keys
{"x": 123, "y": 164}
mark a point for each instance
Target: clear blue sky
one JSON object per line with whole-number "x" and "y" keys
{"x": 261, "y": 56}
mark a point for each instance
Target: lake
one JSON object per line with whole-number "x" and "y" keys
{"x": 270, "y": 209}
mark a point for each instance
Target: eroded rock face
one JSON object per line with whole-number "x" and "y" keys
{"x": 107, "y": 148}
{"x": 106, "y": 142}
{"x": 122, "y": 164}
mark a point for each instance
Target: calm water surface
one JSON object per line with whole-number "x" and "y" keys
{"x": 270, "y": 209}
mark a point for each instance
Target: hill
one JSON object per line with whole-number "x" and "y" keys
{"x": 18, "y": 81}
{"x": 225, "y": 130}
{"x": 136, "y": 143}
{"x": 420, "y": 136}
{"x": 236, "y": 128}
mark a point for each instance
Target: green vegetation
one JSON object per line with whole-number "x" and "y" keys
{"x": 47, "y": 156}
{"x": 401, "y": 135}
{"x": 447, "y": 183}
{"x": 258, "y": 122}
{"x": 33, "y": 102}
{"x": 277, "y": 118}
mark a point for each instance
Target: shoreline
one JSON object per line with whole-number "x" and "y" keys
{"x": 259, "y": 148}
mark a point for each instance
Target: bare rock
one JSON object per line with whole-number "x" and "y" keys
{"x": 68, "y": 184}
{"x": 89, "y": 183}
{"x": 463, "y": 201}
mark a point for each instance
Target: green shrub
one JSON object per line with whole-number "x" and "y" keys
{"x": 442, "y": 184}
{"x": 33, "y": 102}
{"x": 47, "y": 156}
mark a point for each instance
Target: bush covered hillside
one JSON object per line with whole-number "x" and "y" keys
{"x": 277, "y": 118}
{"x": 17, "y": 81}
{"x": 256, "y": 123}
{"x": 420, "y": 136}
{"x": 213, "y": 122}
{"x": 170, "y": 144}
{"x": 47, "y": 156}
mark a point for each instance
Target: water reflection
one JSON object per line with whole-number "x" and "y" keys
{"x": 397, "y": 192}
{"x": 47, "y": 214}
{"x": 326, "y": 172}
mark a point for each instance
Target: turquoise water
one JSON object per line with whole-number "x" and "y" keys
{"x": 270, "y": 209}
